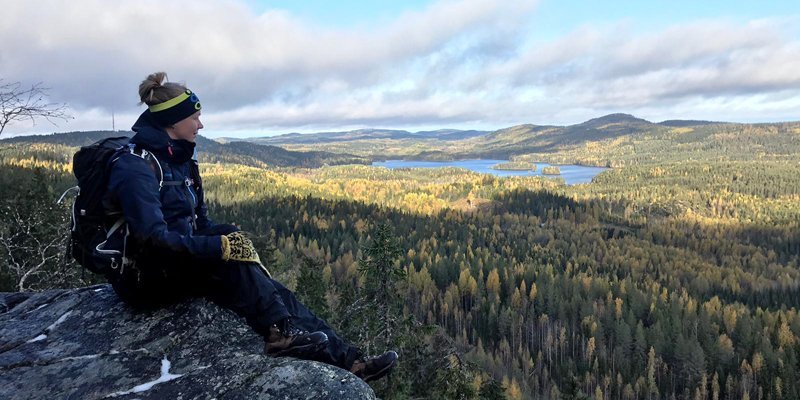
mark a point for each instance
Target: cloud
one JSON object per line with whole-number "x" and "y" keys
{"x": 236, "y": 56}
{"x": 613, "y": 67}
{"x": 453, "y": 63}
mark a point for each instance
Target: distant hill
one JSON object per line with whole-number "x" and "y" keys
{"x": 244, "y": 153}
{"x": 451, "y": 134}
{"x": 259, "y": 155}
{"x": 365, "y": 134}
{"x": 613, "y": 120}
{"x": 448, "y": 144}
{"x": 622, "y": 139}
{"x": 502, "y": 143}
{"x": 610, "y": 140}
{"x": 607, "y": 127}
{"x": 681, "y": 123}
{"x": 534, "y": 137}
{"x": 528, "y": 138}
{"x": 72, "y": 139}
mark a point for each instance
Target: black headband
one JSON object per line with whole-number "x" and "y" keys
{"x": 176, "y": 109}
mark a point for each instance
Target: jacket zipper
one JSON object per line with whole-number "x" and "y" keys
{"x": 192, "y": 200}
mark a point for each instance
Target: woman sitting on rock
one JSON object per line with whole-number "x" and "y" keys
{"x": 174, "y": 251}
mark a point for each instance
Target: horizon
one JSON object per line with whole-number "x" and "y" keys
{"x": 257, "y": 136}
{"x": 266, "y": 68}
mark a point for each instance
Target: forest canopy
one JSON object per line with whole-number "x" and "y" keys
{"x": 673, "y": 274}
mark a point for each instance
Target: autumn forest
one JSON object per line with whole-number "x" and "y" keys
{"x": 673, "y": 275}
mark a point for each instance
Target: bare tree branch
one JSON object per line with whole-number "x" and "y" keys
{"x": 31, "y": 243}
{"x": 18, "y": 104}
{"x": 43, "y": 260}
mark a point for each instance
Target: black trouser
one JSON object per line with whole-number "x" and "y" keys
{"x": 162, "y": 277}
{"x": 263, "y": 301}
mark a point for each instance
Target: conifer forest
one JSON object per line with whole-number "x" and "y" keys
{"x": 674, "y": 274}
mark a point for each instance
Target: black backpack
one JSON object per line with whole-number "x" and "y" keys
{"x": 90, "y": 214}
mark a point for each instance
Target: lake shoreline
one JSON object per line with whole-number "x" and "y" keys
{"x": 571, "y": 174}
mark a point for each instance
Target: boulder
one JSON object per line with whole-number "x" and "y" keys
{"x": 86, "y": 344}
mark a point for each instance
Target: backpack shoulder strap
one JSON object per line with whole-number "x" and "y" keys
{"x": 155, "y": 165}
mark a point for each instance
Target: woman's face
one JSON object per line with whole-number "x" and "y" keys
{"x": 186, "y": 128}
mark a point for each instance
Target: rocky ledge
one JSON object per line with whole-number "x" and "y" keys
{"x": 86, "y": 344}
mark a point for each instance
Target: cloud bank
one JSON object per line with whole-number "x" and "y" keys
{"x": 467, "y": 63}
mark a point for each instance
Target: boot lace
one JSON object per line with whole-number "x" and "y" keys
{"x": 289, "y": 330}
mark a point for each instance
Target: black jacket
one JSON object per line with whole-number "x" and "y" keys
{"x": 165, "y": 217}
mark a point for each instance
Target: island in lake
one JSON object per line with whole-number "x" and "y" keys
{"x": 551, "y": 170}
{"x": 515, "y": 166}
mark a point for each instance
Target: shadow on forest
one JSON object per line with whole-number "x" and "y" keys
{"x": 560, "y": 218}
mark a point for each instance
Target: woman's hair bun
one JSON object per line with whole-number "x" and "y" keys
{"x": 148, "y": 86}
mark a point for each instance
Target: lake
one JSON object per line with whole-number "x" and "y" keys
{"x": 572, "y": 174}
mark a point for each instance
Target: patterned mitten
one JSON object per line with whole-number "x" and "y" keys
{"x": 238, "y": 247}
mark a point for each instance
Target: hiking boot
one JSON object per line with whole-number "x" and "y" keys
{"x": 286, "y": 340}
{"x": 372, "y": 368}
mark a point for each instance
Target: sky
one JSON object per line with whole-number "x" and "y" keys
{"x": 263, "y": 68}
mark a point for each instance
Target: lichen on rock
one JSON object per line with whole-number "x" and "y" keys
{"x": 85, "y": 343}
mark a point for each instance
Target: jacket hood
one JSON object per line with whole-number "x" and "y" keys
{"x": 150, "y": 136}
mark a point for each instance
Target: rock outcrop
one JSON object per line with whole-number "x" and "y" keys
{"x": 87, "y": 344}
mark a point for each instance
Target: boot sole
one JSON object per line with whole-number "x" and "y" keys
{"x": 381, "y": 373}
{"x": 299, "y": 351}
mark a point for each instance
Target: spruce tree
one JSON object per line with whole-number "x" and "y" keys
{"x": 311, "y": 288}
{"x": 381, "y": 275}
